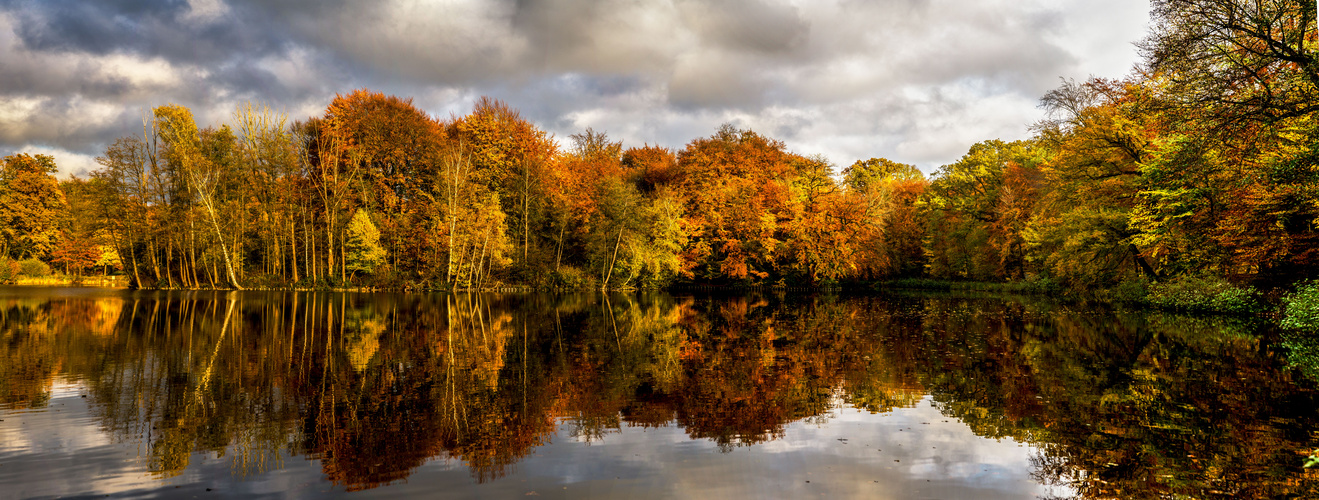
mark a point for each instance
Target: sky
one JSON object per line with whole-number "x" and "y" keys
{"x": 915, "y": 81}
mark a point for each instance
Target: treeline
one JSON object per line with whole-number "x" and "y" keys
{"x": 1204, "y": 162}
{"x": 376, "y": 192}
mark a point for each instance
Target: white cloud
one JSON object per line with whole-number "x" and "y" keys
{"x": 206, "y": 11}
{"x": 70, "y": 163}
{"x": 16, "y": 109}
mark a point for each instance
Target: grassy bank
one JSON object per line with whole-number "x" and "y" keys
{"x": 65, "y": 280}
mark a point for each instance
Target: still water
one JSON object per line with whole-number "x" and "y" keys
{"x": 311, "y": 395}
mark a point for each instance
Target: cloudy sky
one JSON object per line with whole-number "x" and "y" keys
{"x": 916, "y": 81}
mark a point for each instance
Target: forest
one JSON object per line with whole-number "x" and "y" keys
{"x": 1204, "y": 162}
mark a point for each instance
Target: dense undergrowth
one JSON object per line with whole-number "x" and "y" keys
{"x": 1203, "y": 293}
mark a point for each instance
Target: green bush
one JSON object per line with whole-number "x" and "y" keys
{"x": 1037, "y": 285}
{"x": 1302, "y": 353}
{"x": 1031, "y": 285}
{"x": 915, "y": 284}
{"x": 8, "y": 270}
{"x": 568, "y": 277}
{"x": 33, "y": 268}
{"x": 1130, "y": 291}
{"x": 1301, "y": 308}
{"x": 1204, "y": 293}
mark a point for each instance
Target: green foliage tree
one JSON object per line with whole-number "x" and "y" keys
{"x": 978, "y": 208}
{"x": 634, "y": 240}
{"x": 863, "y": 174}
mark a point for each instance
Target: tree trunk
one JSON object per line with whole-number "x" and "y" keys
{"x": 480, "y": 259}
{"x": 215, "y": 223}
{"x": 613, "y": 259}
{"x": 155, "y": 260}
{"x": 526, "y": 225}
{"x": 1144, "y": 265}
{"x": 169, "y": 258}
{"x": 192, "y": 262}
{"x": 558, "y": 251}
{"x": 293, "y": 249}
{"x": 526, "y": 205}
{"x": 311, "y": 257}
{"x": 329, "y": 245}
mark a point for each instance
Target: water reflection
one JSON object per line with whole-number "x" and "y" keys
{"x": 374, "y": 386}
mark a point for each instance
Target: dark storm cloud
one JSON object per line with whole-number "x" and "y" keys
{"x": 91, "y": 27}
{"x": 157, "y": 28}
{"x": 716, "y": 80}
{"x": 851, "y": 78}
{"x": 558, "y": 34}
{"x": 752, "y": 26}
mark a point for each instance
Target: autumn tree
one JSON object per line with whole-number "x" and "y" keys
{"x": 362, "y": 250}
{"x": 864, "y": 174}
{"x": 86, "y": 239}
{"x": 819, "y": 238}
{"x": 1241, "y": 84}
{"x": 31, "y": 206}
{"x": 736, "y": 183}
{"x": 891, "y": 224}
{"x": 75, "y": 254}
{"x": 1270, "y": 226}
{"x": 202, "y": 171}
{"x": 633, "y": 239}
{"x": 1098, "y": 136}
{"x": 134, "y": 189}
{"x": 579, "y": 186}
{"x": 393, "y": 148}
{"x": 1236, "y": 62}
{"x": 653, "y": 167}
{"x": 977, "y": 221}
{"x": 267, "y": 155}
{"x": 514, "y": 158}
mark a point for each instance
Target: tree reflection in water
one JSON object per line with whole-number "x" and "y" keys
{"x": 1120, "y": 404}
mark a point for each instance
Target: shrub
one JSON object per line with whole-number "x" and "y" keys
{"x": 33, "y": 268}
{"x": 1301, "y": 308}
{"x": 655, "y": 281}
{"x": 1204, "y": 293}
{"x": 1302, "y": 353}
{"x": 1130, "y": 291}
{"x": 1031, "y": 285}
{"x": 916, "y": 284}
{"x": 8, "y": 270}
{"x": 1042, "y": 285}
{"x": 569, "y": 277}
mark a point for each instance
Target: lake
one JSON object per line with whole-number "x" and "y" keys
{"x": 649, "y": 395}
